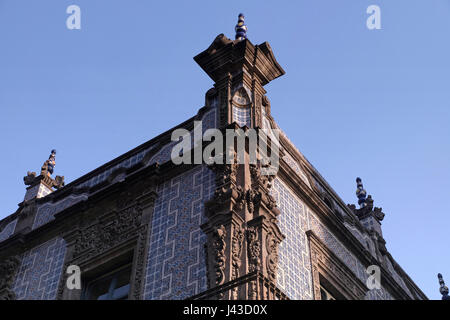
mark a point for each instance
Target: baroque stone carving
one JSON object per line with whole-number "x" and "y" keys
{"x": 263, "y": 182}
{"x": 140, "y": 263}
{"x": 254, "y": 249}
{"x": 236, "y": 251}
{"x": 219, "y": 253}
{"x": 253, "y": 200}
{"x": 99, "y": 237}
{"x": 227, "y": 192}
{"x": 8, "y": 270}
{"x": 28, "y": 209}
{"x": 29, "y": 178}
{"x": 237, "y": 241}
{"x": 58, "y": 182}
{"x": 272, "y": 254}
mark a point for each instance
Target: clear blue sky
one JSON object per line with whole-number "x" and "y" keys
{"x": 356, "y": 102}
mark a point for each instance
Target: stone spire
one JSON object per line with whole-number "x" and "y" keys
{"x": 241, "y": 227}
{"x": 42, "y": 185}
{"x": 443, "y": 289}
{"x": 241, "y": 28}
{"x": 369, "y": 215}
{"x": 240, "y": 70}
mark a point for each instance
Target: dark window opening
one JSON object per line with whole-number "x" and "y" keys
{"x": 325, "y": 295}
{"x": 114, "y": 285}
{"x": 328, "y": 291}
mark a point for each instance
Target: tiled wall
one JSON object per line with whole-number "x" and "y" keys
{"x": 208, "y": 121}
{"x": 176, "y": 266}
{"x": 242, "y": 116}
{"x": 47, "y": 211}
{"x": 294, "y": 275}
{"x": 8, "y": 230}
{"x": 40, "y": 270}
{"x": 296, "y": 167}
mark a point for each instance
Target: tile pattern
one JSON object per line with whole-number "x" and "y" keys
{"x": 296, "y": 167}
{"x": 294, "y": 273}
{"x": 128, "y": 163}
{"x": 363, "y": 238}
{"x": 346, "y": 257}
{"x": 31, "y": 193}
{"x": 47, "y": 211}
{"x": 397, "y": 278}
{"x": 38, "y": 191}
{"x": 242, "y": 116}
{"x": 43, "y": 191}
{"x": 176, "y": 266}
{"x": 40, "y": 270}
{"x": 8, "y": 230}
{"x": 209, "y": 121}
{"x": 337, "y": 247}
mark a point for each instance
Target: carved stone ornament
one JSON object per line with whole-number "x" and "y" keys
{"x": 28, "y": 209}
{"x": 58, "y": 182}
{"x": 8, "y": 270}
{"x": 219, "y": 253}
{"x": 253, "y": 249}
{"x": 272, "y": 254}
{"x": 236, "y": 252}
{"x": 99, "y": 237}
{"x": 29, "y": 178}
{"x": 140, "y": 263}
{"x": 227, "y": 193}
{"x": 253, "y": 200}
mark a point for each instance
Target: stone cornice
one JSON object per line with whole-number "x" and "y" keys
{"x": 328, "y": 218}
{"x": 325, "y": 262}
{"x": 28, "y": 238}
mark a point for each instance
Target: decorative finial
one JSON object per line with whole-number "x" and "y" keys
{"x": 241, "y": 28}
{"x": 49, "y": 165}
{"x": 360, "y": 193}
{"x": 51, "y": 162}
{"x": 443, "y": 289}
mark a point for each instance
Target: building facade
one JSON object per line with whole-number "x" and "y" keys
{"x": 143, "y": 227}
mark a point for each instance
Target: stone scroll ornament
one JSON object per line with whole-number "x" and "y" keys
{"x": 236, "y": 251}
{"x": 219, "y": 254}
{"x": 254, "y": 249}
{"x": 254, "y": 261}
{"x": 272, "y": 254}
{"x": 8, "y": 270}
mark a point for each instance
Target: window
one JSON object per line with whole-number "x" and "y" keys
{"x": 325, "y": 295}
{"x": 114, "y": 285}
{"x": 328, "y": 291}
{"x": 332, "y": 279}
